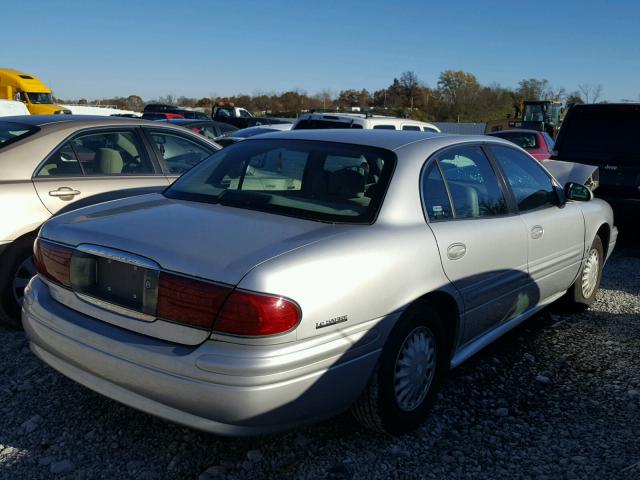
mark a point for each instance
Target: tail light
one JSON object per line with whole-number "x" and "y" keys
{"x": 189, "y": 301}
{"x": 246, "y": 313}
{"x": 53, "y": 261}
{"x": 205, "y": 305}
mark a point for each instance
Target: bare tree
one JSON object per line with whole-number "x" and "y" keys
{"x": 590, "y": 93}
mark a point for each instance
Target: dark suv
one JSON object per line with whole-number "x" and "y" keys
{"x": 605, "y": 135}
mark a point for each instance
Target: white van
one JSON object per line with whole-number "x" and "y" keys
{"x": 9, "y": 108}
{"x": 309, "y": 121}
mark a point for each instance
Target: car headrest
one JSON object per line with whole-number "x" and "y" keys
{"x": 109, "y": 160}
{"x": 346, "y": 184}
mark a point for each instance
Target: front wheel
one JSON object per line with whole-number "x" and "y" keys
{"x": 583, "y": 292}
{"x": 404, "y": 386}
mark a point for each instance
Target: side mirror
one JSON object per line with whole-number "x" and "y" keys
{"x": 577, "y": 191}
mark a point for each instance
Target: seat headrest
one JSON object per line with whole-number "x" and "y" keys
{"x": 109, "y": 160}
{"x": 346, "y": 184}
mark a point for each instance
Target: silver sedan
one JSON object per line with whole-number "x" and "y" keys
{"x": 299, "y": 274}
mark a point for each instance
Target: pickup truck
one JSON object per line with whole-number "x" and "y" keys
{"x": 240, "y": 117}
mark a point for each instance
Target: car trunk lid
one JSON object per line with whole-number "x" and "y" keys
{"x": 127, "y": 240}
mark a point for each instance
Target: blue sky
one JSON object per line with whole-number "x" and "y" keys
{"x": 97, "y": 49}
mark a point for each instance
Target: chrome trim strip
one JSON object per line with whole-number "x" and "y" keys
{"x": 118, "y": 255}
{"x": 115, "y": 308}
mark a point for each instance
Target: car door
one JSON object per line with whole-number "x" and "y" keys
{"x": 176, "y": 152}
{"x": 482, "y": 245}
{"x": 555, "y": 232}
{"x": 94, "y": 162}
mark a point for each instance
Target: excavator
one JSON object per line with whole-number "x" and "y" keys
{"x": 541, "y": 115}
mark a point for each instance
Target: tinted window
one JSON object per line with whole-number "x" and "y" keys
{"x": 319, "y": 124}
{"x": 63, "y": 162}
{"x": 11, "y": 132}
{"x": 549, "y": 140}
{"x": 179, "y": 153}
{"x": 472, "y": 183}
{"x": 601, "y": 133}
{"x": 224, "y": 128}
{"x": 411, "y": 127}
{"x": 384, "y": 127}
{"x": 429, "y": 129}
{"x": 317, "y": 180}
{"x": 530, "y": 184}
{"x": 435, "y": 195}
{"x": 522, "y": 139}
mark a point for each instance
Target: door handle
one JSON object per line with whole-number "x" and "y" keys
{"x": 64, "y": 193}
{"x": 537, "y": 232}
{"x": 456, "y": 251}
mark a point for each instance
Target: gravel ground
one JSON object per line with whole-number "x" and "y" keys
{"x": 557, "y": 398}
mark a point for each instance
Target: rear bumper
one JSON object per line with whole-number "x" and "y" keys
{"x": 223, "y": 388}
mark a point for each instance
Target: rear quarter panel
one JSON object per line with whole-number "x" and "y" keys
{"x": 361, "y": 275}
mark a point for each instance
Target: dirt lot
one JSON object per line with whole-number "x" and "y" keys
{"x": 557, "y": 398}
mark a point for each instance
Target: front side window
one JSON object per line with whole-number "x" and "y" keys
{"x": 322, "y": 181}
{"x": 179, "y": 153}
{"x": 531, "y": 185}
{"x": 472, "y": 183}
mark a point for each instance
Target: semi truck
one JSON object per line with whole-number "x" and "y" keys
{"x": 26, "y": 88}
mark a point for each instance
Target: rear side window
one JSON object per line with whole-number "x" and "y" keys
{"x": 62, "y": 163}
{"x": 601, "y": 134}
{"x": 530, "y": 184}
{"x": 415, "y": 128}
{"x": 435, "y": 195}
{"x": 104, "y": 153}
{"x": 384, "y": 127}
{"x": 472, "y": 183}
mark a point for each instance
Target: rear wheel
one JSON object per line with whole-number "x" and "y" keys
{"x": 19, "y": 259}
{"x": 583, "y": 292}
{"x": 404, "y": 386}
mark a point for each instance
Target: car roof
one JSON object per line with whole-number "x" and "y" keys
{"x": 387, "y": 139}
{"x": 40, "y": 120}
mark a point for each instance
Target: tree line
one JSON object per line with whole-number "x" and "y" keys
{"x": 458, "y": 96}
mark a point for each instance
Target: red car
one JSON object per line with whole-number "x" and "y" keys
{"x": 538, "y": 144}
{"x": 161, "y": 116}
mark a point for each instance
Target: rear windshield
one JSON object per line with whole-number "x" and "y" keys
{"x": 602, "y": 133}
{"x": 314, "y": 124}
{"x": 12, "y": 132}
{"x": 323, "y": 181}
{"x": 524, "y": 140}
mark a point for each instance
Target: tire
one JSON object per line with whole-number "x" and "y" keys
{"x": 384, "y": 406}
{"x": 583, "y": 291}
{"x": 19, "y": 261}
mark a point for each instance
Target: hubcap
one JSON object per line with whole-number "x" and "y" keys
{"x": 25, "y": 272}
{"x": 415, "y": 368}
{"x": 590, "y": 273}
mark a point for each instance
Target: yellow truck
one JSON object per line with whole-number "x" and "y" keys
{"x": 24, "y": 87}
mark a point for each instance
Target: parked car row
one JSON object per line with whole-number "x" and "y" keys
{"x": 289, "y": 276}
